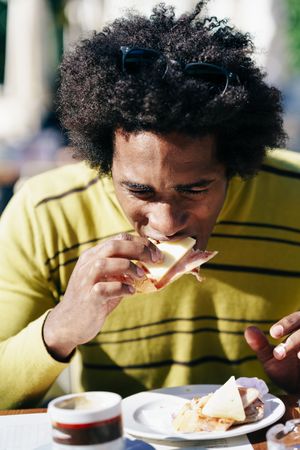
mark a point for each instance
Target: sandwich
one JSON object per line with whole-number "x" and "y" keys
{"x": 179, "y": 258}
{"x": 228, "y": 406}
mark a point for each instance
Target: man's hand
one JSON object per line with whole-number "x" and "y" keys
{"x": 281, "y": 363}
{"x": 102, "y": 276}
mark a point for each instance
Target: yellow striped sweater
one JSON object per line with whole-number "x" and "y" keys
{"x": 188, "y": 333}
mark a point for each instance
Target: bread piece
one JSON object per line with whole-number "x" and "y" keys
{"x": 179, "y": 258}
{"x": 226, "y": 403}
{"x": 190, "y": 418}
{"x": 173, "y": 251}
{"x": 228, "y": 406}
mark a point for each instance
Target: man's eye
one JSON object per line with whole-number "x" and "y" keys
{"x": 140, "y": 192}
{"x": 193, "y": 191}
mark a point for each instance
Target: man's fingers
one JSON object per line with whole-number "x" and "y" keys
{"x": 149, "y": 250}
{"x": 286, "y": 325}
{"x": 111, "y": 290}
{"x": 258, "y": 342}
{"x": 126, "y": 246}
{"x": 292, "y": 343}
{"x": 105, "y": 269}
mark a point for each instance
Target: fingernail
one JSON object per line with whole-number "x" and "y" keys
{"x": 280, "y": 351}
{"x": 298, "y": 354}
{"x": 140, "y": 272}
{"x": 155, "y": 254}
{"x": 131, "y": 288}
{"x": 159, "y": 255}
{"x": 276, "y": 331}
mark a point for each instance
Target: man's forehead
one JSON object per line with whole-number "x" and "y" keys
{"x": 173, "y": 140}
{"x": 146, "y": 157}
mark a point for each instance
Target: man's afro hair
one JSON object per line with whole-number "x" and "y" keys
{"x": 96, "y": 98}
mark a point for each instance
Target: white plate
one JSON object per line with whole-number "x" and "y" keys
{"x": 148, "y": 415}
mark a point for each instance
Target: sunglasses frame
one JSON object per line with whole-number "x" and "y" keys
{"x": 230, "y": 77}
{"x": 126, "y": 52}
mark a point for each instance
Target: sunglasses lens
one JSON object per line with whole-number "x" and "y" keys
{"x": 214, "y": 76}
{"x": 137, "y": 59}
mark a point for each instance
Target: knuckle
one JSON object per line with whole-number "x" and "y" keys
{"x": 107, "y": 289}
{"x": 293, "y": 341}
{"x": 123, "y": 237}
{"x": 100, "y": 264}
{"x": 99, "y": 288}
{"x": 110, "y": 246}
{"x": 293, "y": 320}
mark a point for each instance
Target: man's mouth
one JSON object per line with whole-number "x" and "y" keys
{"x": 157, "y": 238}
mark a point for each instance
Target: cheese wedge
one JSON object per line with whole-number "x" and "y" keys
{"x": 226, "y": 402}
{"x": 173, "y": 251}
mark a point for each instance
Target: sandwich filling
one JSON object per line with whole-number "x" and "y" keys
{"x": 179, "y": 258}
{"x": 229, "y": 405}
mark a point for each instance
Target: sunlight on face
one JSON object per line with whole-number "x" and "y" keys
{"x": 169, "y": 186}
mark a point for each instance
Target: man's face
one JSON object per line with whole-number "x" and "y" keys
{"x": 169, "y": 186}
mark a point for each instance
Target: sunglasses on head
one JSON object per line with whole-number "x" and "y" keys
{"x": 136, "y": 59}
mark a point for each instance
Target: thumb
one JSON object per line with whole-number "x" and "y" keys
{"x": 258, "y": 342}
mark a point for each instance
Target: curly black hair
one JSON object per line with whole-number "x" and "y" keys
{"x": 96, "y": 97}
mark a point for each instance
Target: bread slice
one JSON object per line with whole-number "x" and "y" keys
{"x": 173, "y": 252}
{"x": 228, "y": 406}
{"x": 180, "y": 257}
{"x": 226, "y": 403}
{"x": 190, "y": 418}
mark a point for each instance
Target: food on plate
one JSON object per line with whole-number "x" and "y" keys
{"x": 179, "y": 258}
{"x": 231, "y": 404}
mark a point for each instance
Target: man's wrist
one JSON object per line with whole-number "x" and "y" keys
{"x": 61, "y": 352}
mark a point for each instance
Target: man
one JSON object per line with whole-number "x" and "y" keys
{"x": 174, "y": 118}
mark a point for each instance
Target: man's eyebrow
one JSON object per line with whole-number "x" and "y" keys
{"x": 133, "y": 185}
{"x": 145, "y": 187}
{"x": 201, "y": 183}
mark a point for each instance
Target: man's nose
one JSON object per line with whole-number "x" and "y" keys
{"x": 167, "y": 219}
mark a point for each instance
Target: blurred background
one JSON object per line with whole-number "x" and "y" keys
{"x": 35, "y": 33}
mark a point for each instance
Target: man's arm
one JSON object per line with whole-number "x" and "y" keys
{"x": 102, "y": 276}
{"x": 26, "y": 368}
{"x": 34, "y": 346}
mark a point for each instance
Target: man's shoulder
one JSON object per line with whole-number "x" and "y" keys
{"x": 61, "y": 181}
{"x": 282, "y": 162}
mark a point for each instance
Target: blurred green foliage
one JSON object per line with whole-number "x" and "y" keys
{"x": 57, "y": 8}
{"x": 293, "y": 16}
